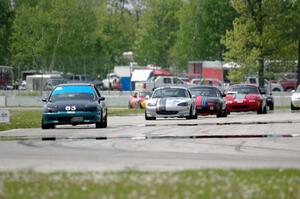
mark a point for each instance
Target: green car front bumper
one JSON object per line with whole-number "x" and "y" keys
{"x": 78, "y": 117}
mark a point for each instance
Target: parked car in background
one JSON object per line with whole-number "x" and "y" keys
{"x": 40, "y": 82}
{"x": 162, "y": 81}
{"x": 273, "y": 85}
{"x": 74, "y": 78}
{"x": 6, "y": 77}
{"x": 185, "y": 79}
{"x": 246, "y": 97}
{"x": 138, "y": 99}
{"x": 53, "y": 82}
{"x": 112, "y": 82}
{"x": 288, "y": 81}
{"x": 276, "y": 86}
{"x": 295, "y": 99}
{"x": 209, "y": 101}
{"x": 77, "y": 103}
{"x": 171, "y": 102}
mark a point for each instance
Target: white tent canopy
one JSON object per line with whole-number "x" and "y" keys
{"x": 140, "y": 75}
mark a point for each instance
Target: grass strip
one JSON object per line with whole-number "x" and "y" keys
{"x": 191, "y": 184}
{"x": 32, "y": 118}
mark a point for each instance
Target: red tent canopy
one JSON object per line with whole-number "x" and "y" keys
{"x": 162, "y": 72}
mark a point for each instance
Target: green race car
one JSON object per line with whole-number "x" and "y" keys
{"x": 74, "y": 104}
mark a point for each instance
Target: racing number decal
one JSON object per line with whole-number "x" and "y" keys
{"x": 70, "y": 108}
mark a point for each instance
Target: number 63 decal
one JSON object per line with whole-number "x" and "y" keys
{"x": 70, "y": 108}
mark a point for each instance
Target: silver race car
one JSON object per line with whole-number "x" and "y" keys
{"x": 295, "y": 100}
{"x": 171, "y": 102}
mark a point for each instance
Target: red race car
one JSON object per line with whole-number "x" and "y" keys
{"x": 246, "y": 97}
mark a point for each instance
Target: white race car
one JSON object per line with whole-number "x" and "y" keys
{"x": 171, "y": 102}
{"x": 295, "y": 100}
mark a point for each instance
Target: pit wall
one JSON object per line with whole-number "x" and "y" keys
{"x": 112, "y": 99}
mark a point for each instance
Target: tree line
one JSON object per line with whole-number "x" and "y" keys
{"x": 90, "y": 36}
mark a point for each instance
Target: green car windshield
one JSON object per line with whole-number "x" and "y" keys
{"x": 63, "y": 93}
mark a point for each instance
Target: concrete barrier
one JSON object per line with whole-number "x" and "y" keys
{"x": 113, "y": 99}
{"x": 30, "y": 101}
{"x": 2, "y": 101}
{"x": 46, "y": 93}
{"x": 282, "y": 98}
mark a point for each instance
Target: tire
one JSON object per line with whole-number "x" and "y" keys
{"x": 195, "y": 116}
{"x": 260, "y": 110}
{"x": 191, "y": 115}
{"x": 102, "y": 123}
{"x": 47, "y": 126}
{"x": 271, "y": 107}
{"x": 265, "y": 110}
{"x": 224, "y": 113}
{"x": 220, "y": 113}
{"x": 293, "y": 108}
{"x": 149, "y": 118}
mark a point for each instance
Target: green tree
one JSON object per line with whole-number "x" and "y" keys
{"x": 262, "y": 33}
{"x": 115, "y": 33}
{"x": 202, "y": 24}
{"x": 6, "y": 19}
{"x": 138, "y": 8}
{"x": 53, "y": 35}
{"x": 245, "y": 40}
{"x": 157, "y": 32}
{"x": 296, "y": 17}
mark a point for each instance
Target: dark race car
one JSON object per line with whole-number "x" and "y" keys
{"x": 246, "y": 97}
{"x": 209, "y": 101}
{"x": 74, "y": 104}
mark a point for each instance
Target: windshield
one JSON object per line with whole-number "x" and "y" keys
{"x": 209, "y": 92}
{"x": 170, "y": 92}
{"x": 144, "y": 94}
{"x": 63, "y": 93}
{"x": 244, "y": 89}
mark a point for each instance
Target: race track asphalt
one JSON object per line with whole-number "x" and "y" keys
{"x": 242, "y": 140}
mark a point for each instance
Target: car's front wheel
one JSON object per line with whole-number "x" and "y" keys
{"x": 260, "y": 109}
{"x": 47, "y": 126}
{"x": 191, "y": 115}
{"x": 293, "y": 108}
{"x": 222, "y": 113}
{"x": 149, "y": 118}
{"x": 271, "y": 107}
{"x": 102, "y": 123}
{"x": 265, "y": 109}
